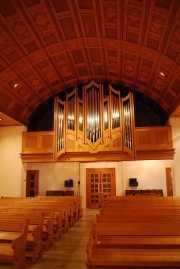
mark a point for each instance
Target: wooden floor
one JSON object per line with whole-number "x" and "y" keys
{"x": 70, "y": 251}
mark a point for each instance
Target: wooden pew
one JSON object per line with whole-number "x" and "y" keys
{"x": 142, "y": 228}
{"x": 143, "y": 241}
{"x": 13, "y": 236}
{"x": 142, "y": 199}
{"x": 110, "y": 258}
{"x": 73, "y": 203}
{"x": 57, "y": 214}
{"x": 61, "y": 222}
{"x": 138, "y": 217}
{"x": 47, "y": 229}
{"x": 135, "y": 233}
{"x": 60, "y": 217}
{"x": 48, "y": 221}
{"x": 149, "y": 240}
{"x": 34, "y": 235}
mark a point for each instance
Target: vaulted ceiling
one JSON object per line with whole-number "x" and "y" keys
{"x": 47, "y": 46}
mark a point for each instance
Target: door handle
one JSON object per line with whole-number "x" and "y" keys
{"x": 99, "y": 188}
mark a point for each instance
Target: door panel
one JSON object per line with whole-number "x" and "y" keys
{"x": 100, "y": 184}
{"x": 107, "y": 184}
{"x": 32, "y": 183}
{"x": 169, "y": 182}
{"x": 93, "y": 188}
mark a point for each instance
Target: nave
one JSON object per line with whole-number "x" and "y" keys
{"x": 69, "y": 252}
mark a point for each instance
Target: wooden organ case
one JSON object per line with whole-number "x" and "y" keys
{"x": 96, "y": 124}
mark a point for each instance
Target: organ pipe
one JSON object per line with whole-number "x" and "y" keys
{"x": 87, "y": 110}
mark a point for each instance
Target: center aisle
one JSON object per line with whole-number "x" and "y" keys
{"x": 69, "y": 252}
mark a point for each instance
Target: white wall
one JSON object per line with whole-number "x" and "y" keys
{"x": 150, "y": 174}
{"x": 175, "y": 122}
{"x": 53, "y": 175}
{"x": 11, "y": 168}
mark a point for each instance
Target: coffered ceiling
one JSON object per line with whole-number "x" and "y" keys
{"x": 47, "y": 46}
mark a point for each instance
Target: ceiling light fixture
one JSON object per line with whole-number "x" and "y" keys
{"x": 15, "y": 85}
{"x": 162, "y": 74}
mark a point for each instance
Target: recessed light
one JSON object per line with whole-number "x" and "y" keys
{"x": 1, "y": 119}
{"x": 15, "y": 85}
{"x": 162, "y": 74}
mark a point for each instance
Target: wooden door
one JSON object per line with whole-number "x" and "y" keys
{"x": 169, "y": 182}
{"x": 100, "y": 183}
{"x": 32, "y": 183}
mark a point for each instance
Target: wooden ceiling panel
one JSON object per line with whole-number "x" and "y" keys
{"x": 78, "y": 56}
{"x": 68, "y": 28}
{"x": 6, "y": 100}
{"x": 83, "y": 71}
{"x": 85, "y": 4}
{"x": 176, "y": 86}
{"x": 110, "y": 10}
{"x": 49, "y": 46}
{"x": 89, "y": 25}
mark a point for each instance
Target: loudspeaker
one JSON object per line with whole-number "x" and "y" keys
{"x": 68, "y": 183}
{"x": 133, "y": 182}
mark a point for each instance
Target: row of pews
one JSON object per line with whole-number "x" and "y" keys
{"x": 133, "y": 232}
{"x": 29, "y": 226}
{"x": 158, "y": 192}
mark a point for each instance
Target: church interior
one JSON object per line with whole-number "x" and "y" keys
{"x": 90, "y": 112}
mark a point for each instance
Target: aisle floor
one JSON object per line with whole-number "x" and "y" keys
{"x": 69, "y": 252}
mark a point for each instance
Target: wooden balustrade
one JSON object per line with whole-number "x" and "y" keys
{"x": 150, "y": 143}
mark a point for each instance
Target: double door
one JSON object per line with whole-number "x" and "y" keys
{"x": 100, "y": 183}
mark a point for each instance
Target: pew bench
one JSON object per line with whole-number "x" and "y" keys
{"x": 134, "y": 233}
{"x": 141, "y": 228}
{"x": 144, "y": 241}
{"x": 59, "y": 214}
{"x": 133, "y": 258}
{"x": 135, "y": 211}
{"x": 34, "y": 235}
{"x": 13, "y": 236}
{"x": 74, "y": 202}
{"x": 47, "y": 228}
{"x": 137, "y": 218}
{"x": 113, "y": 244}
{"x": 67, "y": 211}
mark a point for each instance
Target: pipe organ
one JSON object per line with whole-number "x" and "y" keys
{"x": 95, "y": 123}
{"x": 92, "y": 114}
{"x": 90, "y": 120}
{"x": 59, "y": 126}
{"x": 128, "y": 123}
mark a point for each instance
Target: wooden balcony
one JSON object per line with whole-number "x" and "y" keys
{"x": 154, "y": 143}
{"x": 150, "y": 143}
